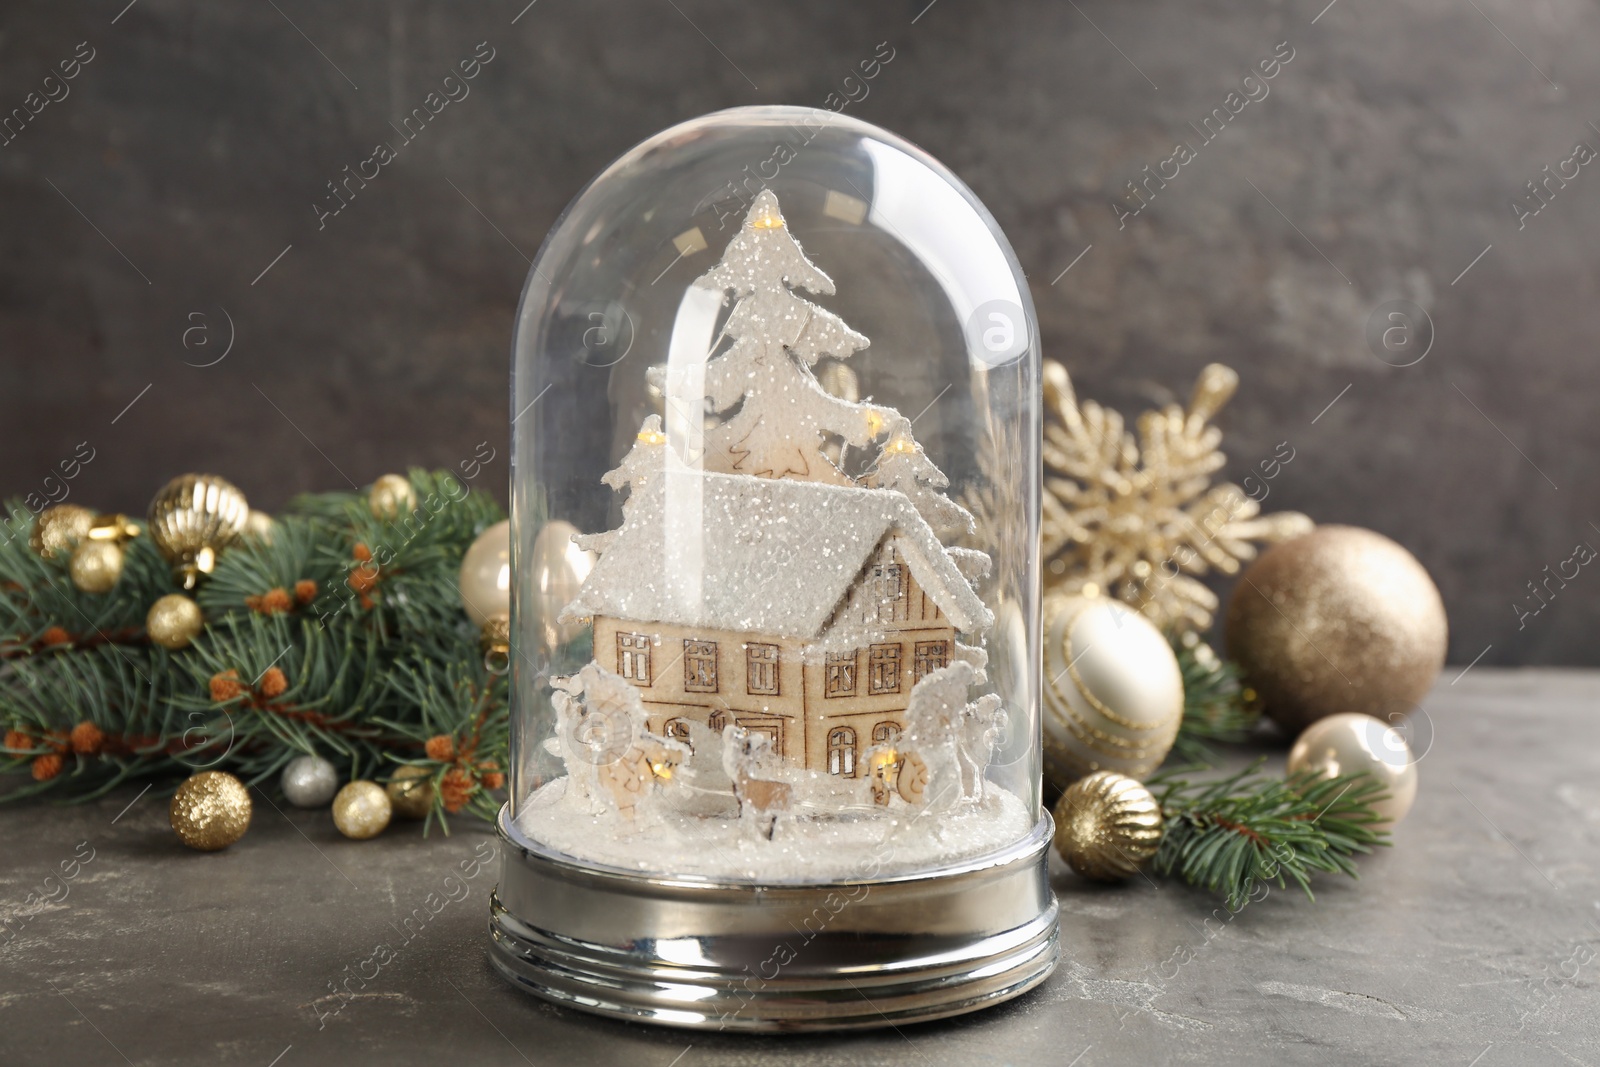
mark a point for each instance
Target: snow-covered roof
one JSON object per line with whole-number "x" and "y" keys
{"x": 760, "y": 555}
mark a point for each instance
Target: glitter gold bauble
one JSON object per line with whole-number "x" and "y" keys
{"x": 96, "y": 566}
{"x": 1342, "y": 619}
{"x": 174, "y": 621}
{"x": 1113, "y": 691}
{"x": 362, "y": 810}
{"x": 411, "y": 792}
{"x": 391, "y": 496}
{"x": 210, "y": 811}
{"x": 58, "y": 530}
{"x": 1350, "y": 743}
{"x": 194, "y": 517}
{"x": 1107, "y": 825}
{"x": 1138, "y": 517}
{"x": 485, "y": 579}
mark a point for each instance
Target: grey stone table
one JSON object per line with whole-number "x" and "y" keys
{"x": 1473, "y": 942}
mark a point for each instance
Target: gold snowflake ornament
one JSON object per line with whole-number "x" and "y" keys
{"x": 1140, "y": 519}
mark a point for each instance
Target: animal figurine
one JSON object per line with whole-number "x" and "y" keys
{"x": 761, "y": 800}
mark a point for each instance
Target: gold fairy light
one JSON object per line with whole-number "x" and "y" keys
{"x": 1139, "y": 518}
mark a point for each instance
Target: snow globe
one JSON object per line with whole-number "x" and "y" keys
{"x": 775, "y": 639}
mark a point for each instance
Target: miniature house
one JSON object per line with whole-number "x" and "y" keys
{"x": 799, "y": 610}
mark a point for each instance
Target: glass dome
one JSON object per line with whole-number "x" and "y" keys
{"x": 774, "y": 513}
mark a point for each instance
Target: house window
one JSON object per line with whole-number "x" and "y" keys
{"x": 886, "y": 733}
{"x": 699, "y": 666}
{"x": 842, "y": 752}
{"x": 717, "y": 721}
{"x": 841, "y": 674}
{"x": 761, "y": 670}
{"x": 931, "y": 656}
{"x": 891, "y": 583}
{"x": 633, "y": 657}
{"x": 678, "y": 730}
{"x": 883, "y": 671}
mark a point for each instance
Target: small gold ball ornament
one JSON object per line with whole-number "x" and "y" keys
{"x": 260, "y": 525}
{"x": 210, "y": 811}
{"x": 1340, "y": 619}
{"x": 96, "y": 566}
{"x": 362, "y": 810}
{"x": 58, "y": 530}
{"x": 1350, "y": 743}
{"x": 1113, "y": 693}
{"x": 391, "y": 496}
{"x": 1107, "y": 825}
{"x": 411, "y": 792}
{"x": 192, "y": 519}
{"x": 174, "y": 621}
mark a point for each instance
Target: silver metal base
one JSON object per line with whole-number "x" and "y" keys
{"x": 712, "y": 955}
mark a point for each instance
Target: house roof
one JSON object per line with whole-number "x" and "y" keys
{"x": 761, "y": 555}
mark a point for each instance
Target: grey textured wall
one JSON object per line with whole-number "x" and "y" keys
{"x": 187, "y": 153}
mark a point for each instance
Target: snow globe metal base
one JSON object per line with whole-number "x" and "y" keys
{"x": 774, "y": 639}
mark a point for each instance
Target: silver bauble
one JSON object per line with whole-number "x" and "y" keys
{"x": 309, "y": 782}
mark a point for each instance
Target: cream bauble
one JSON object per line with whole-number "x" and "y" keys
{"x": 362, "y": 810}
{"x": 558, "y": 568}
{"x": 1113, "y": 692}
{"x": 486, "y": 574}
{"x": 1340, "y": 618}
{"x": 1350, "y": 743}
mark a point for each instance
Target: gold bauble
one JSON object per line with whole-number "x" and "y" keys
{"x": 96, "y": 566}
{"x": 1342, "y": 619}
{"x": 174, "y": 621}
{"x": 210, "y": 811}
{"x": 259, "y": 524}
{"x": 1113, "y": 691}
{"x": 485, "y": 579}
{"x": 411, "y": 792}
{"x": 193, "y": 518}
{"x": 58, "y": 530}
{"x": 1350, "y": 743}
{"x": 362, "y": 810}
{"x": 117, "y": 528}
{"x": 1107, "y": 825}
{"x": 391, "y": 496}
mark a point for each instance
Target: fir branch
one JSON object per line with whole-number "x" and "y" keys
{"x": 1228, "y": 834}
{"x": 306, "y": 649}
{"x": 1218, "y": 707}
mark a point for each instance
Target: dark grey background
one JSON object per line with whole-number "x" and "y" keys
{"x": 191, "y": 149}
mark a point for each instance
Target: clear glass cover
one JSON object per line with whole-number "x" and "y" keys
{"x": 774, "y": 513}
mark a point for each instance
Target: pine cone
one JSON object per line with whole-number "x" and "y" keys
{"x": 46, "y": 767}
{"x": 225, "y": 686}
{"x": 87, "y": 739}
{"x": 273, "y": 683}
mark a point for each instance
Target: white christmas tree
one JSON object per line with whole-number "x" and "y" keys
{"x": 646, "y": 459}
{"x": 782, "y": 412}
{"x": 902, "y": 465}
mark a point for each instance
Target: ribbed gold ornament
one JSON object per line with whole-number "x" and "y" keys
{"x": 96, "y": 566}
{"x": 1107, "y": 825}
{"x": 391, "y": 496}
{"x": 210, "y": 811}
{"x": 193, "y": 518}
{"x": 411, "y": 792}
{"x": 59, "y": 529}
{"x": 174, "y": 621}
